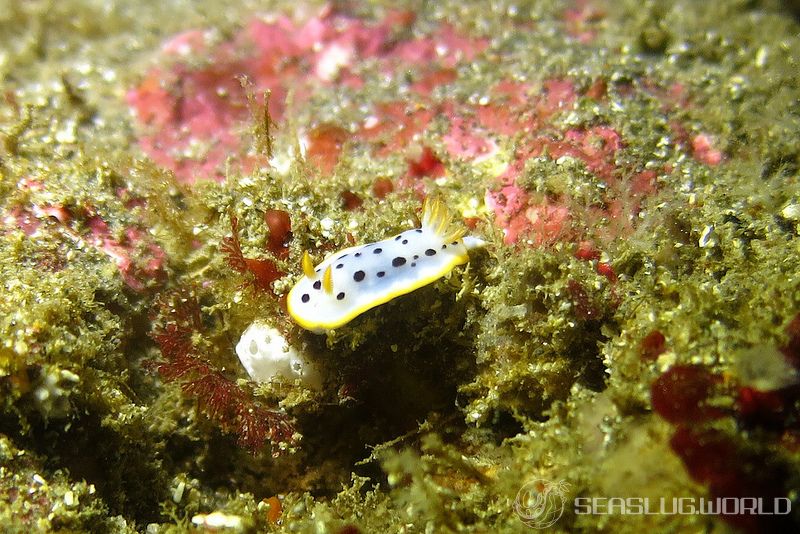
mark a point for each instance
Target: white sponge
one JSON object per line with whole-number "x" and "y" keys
{"x": 265, "y": 353}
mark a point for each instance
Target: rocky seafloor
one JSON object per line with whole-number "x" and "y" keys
{"x": 630, "y": 332}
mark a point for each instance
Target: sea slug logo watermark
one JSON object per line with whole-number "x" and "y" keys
{"x": 540, "y": 503}
{"x": 682, "y": 506}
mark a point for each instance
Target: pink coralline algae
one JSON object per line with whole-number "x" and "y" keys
{"x": 541, "y": 223}
{"x": 22, "y": 219}
{"x": 547, "y": 221}
{"x": 513, "y": 108}
{"x": 580, "y": 20}
{"x": 526, "y": 218}
{"x": 472, "y": 133}
{"x": 192, "y": 111}
{"x": 703, "y": 149}
{"x": 139, "y": 259}
{"x": 191, "y": 116}
{"x": 461, "y": 140}
{"x": 394, "y": 125}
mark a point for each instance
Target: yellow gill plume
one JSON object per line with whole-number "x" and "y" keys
{"x": 436, "y": 217}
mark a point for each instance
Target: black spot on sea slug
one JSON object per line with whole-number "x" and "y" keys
{"x": 381, "y": 274}
{"x": 418, "y": 230}
{"x": 416, "y": 257}
{"x": 398, "y": 261}
{"x": 377, "y": 251}
{"x": 317, "y": 284}
{"x": 339, "y": 266}
{"x": 405, "y": 241}
{"x": 444, "y": 247}
{"x": 306, "y": 297}
{"x": 358, "y": 254}
{"x": 398, "y": 238}
{"x": 358, "y": 276}
{"x": 340, "y": 296}
{"x": 413, "y": 264}
{"x": 430, "y": 252}
{"x": 342, "y": 256}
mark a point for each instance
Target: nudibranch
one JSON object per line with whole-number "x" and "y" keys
{"x": 356, "y": 279}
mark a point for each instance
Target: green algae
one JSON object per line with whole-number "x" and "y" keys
{"x": 524, "y": 364}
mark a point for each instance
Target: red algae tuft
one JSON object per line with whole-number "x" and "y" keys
{"x": 382, "y": 187}
{"x": 653, "y": 345}
{"x": 707, "y": 455}
{"x": 280, "y": 232}
{"x": 761, "y": 408}
{"x": 768, "y": 397}
{"x": 586, "y": 251}
{"x": 792, "y": 348}
{"x": 264, "y": 272}
{"x": 727, "y": 466}
{"x": 714, "y": 459}
{"x": 221, "y": 399}
{"x": 325, "y": 143}
{"x": 425, "y": 163}
{"x": 680, "y": 394}
{"x": 351, "y": 201}
{"x": 607, "y": 270}
{"x": 585, "y": 308}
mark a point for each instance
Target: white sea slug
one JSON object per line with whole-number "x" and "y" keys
{"x": 265, "y": 354}
{"x": 356, "y": 279}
